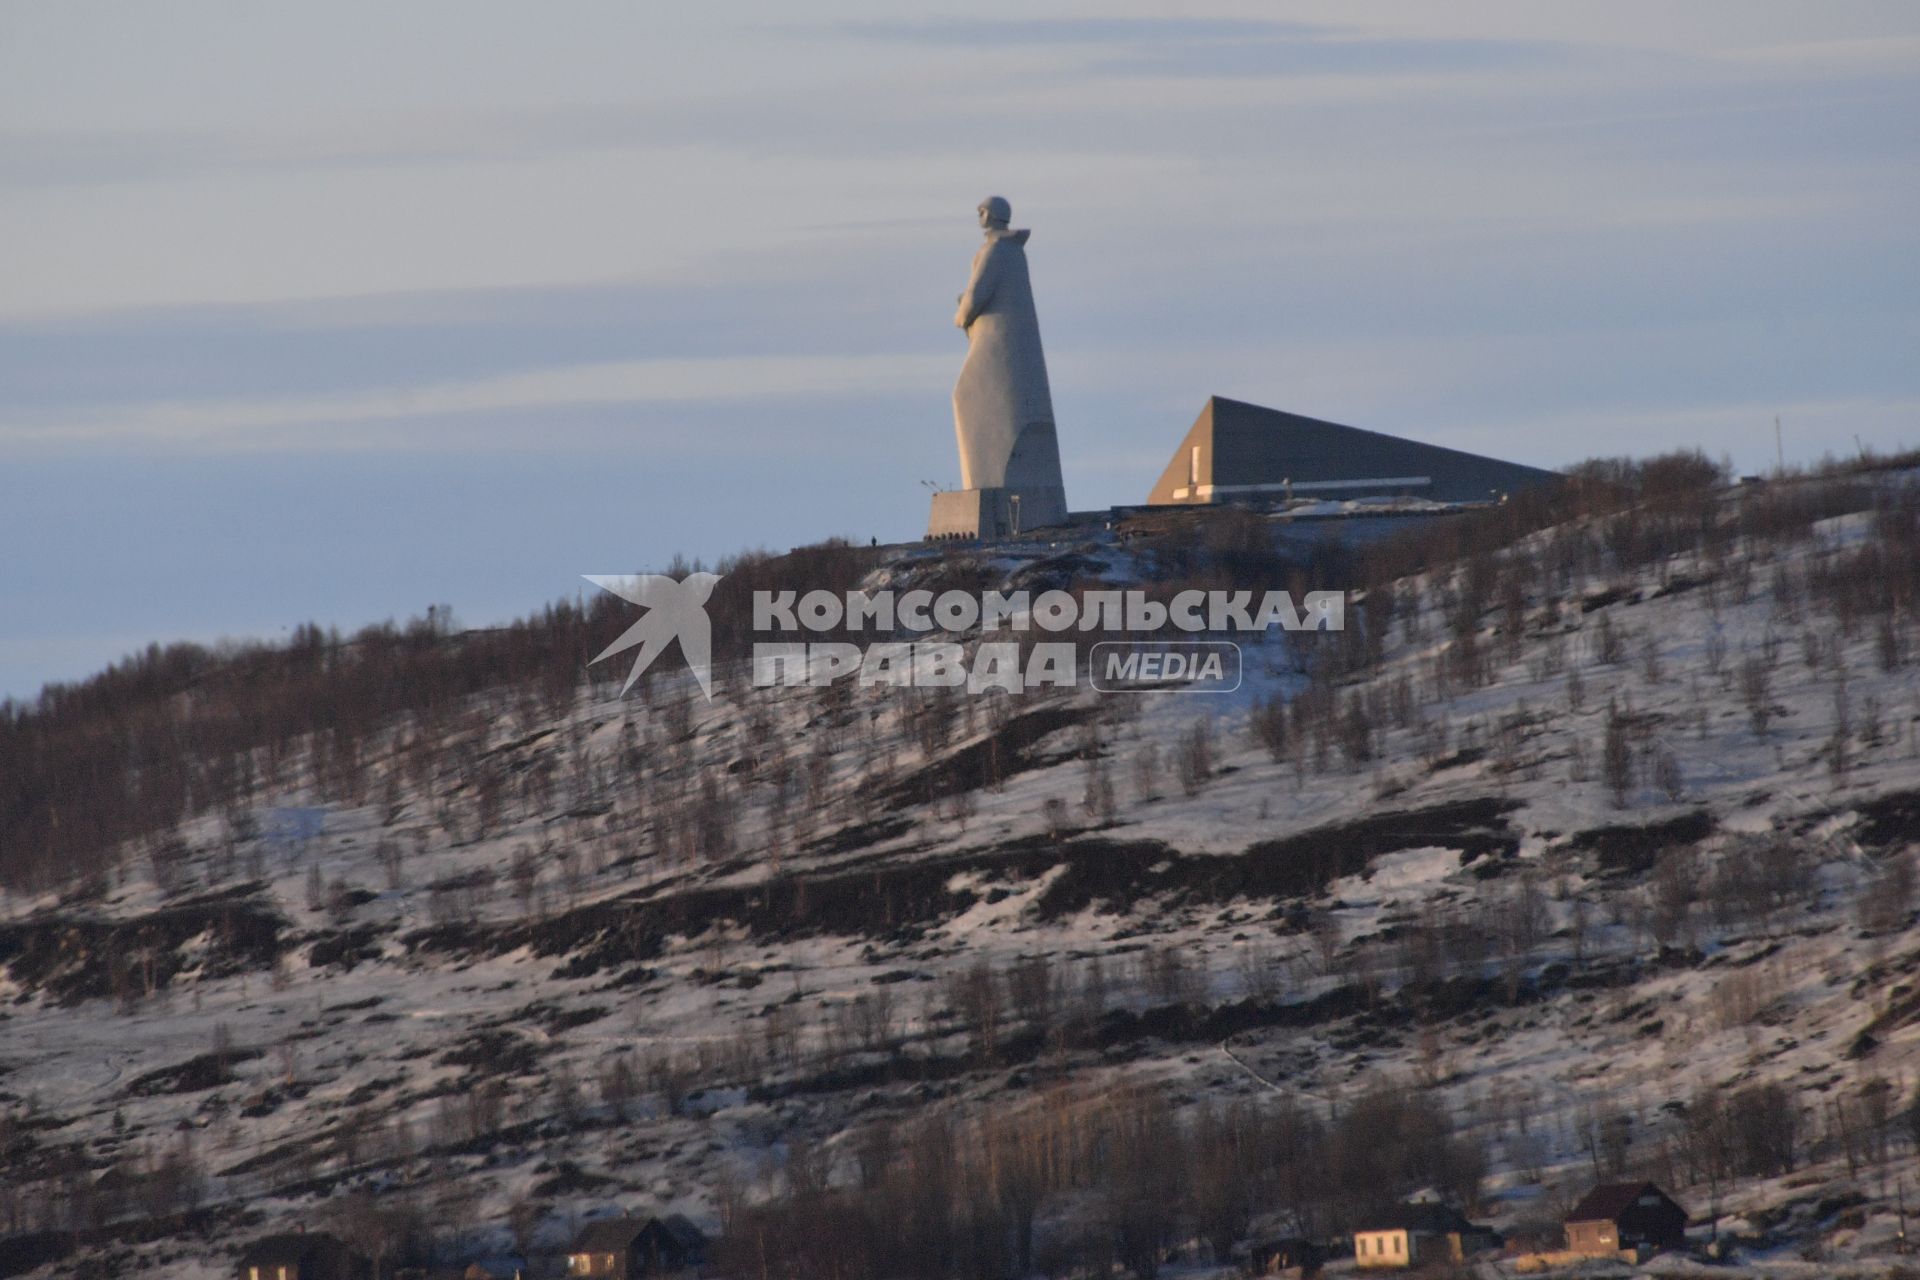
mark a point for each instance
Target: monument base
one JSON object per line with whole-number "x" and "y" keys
{"x": 995, "y": 513}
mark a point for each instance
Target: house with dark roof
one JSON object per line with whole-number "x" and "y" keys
{"x": 628, "y": 1247}
{"x": 1239, "y": 452}
{"x": 1625, "y": 1217}
{"x": 1419, "y": 1235}
{"x": 304, "y": 1255}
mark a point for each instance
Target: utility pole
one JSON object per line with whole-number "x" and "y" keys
{"x": 1779, "y": 450}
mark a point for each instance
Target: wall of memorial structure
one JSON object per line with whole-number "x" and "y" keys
{"x": 995, "y": 513}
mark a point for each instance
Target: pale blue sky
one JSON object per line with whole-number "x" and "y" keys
{"x": 333, "y": 310}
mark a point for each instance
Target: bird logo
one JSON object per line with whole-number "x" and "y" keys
{"x": 675, "y": 610}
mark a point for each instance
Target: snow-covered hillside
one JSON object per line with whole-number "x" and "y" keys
{"x": 1601, "y": 847}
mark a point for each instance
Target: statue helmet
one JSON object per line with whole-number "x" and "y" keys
{"x": 996, "y": 210}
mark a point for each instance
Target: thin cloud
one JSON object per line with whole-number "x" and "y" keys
{"x": 1238, "y": 47}
{"x": 994, "y": 33}
{"x": 235, "y": 421}
{"x": 1345, "y": 57}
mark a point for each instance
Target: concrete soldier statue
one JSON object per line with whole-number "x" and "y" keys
{"x": 1002, "y": 407}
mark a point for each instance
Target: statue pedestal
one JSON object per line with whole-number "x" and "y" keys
{"x": 995, "y": 513}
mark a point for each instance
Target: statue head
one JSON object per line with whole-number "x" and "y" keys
{"x": 995, "y": 213}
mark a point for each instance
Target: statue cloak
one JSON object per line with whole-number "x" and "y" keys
{"x": 1002, "y": 406}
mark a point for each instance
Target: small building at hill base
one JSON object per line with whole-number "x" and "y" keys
{"x": 306, "y": 1255}
{"x": 1239, "y": 452}
{"x": 1624, "y": 1217}
{"x": 629, "y": 1247}
{"x": 1420, "y": 1235}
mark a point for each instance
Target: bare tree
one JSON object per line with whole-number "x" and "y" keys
{"x": 1196, "y": 757}
{"x": 524, "y": 873}
{"x": 1616, "y": 759}
{"x": 619, "y": 1084}
{"x": 1756, "y": 691}
{"x": 974, "y": 994}
{"x": 1146, "y": 773}
{"x": 392, "y": 856}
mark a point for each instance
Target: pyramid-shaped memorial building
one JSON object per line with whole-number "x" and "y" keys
{"x": 1238, "y": 452}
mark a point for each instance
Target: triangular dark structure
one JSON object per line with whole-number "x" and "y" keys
{"x": 1243, "y": 452}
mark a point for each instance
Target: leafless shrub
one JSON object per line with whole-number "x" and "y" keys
{"x": 1605, "y": 1131}
{"x": 1667, "y": 776}
{"x": 1268, "y": 724}
{"x": 1759, "y": 877}
{"x": 1872, "y": 722}
{"x": 392, "y": 857}
{"x": 1356, "y": 731}
{"x": 1839, "y": 748}
{"x": 1889, "y": 645}
{"x": 1743, "y": 996}
{"x": 1650, "y": 664}
{"x": 1886, "y": 897}
{"x": 1673, "y": 893}
{"x": 1196, "y": 757}
{"x": 713, "y": 820}
{"x": 872, "y": 1019}
{"x": 1033, "y": 989}
{"x": 1616, "y": 758}
{"x": 170, "y": 860}
{"x": 974, "y": 994}
{"x": 1146, "y": 773}
{"x": 1764, "y": 1128}
{"x": 524, "y": 874}
{"x": 1609, "y": 642}
{"x": 958, "y": 807}
{"x": 1053, "y": 813}
{"x": 384, "y": 1230}
{"x": 1327, "y": 939}
{"x": 1098, "y": 800}
{"x": 1756, "y": 691}
{"x": 340, "y": 902}
{"x": 1171, "y": 979}
{"x": 619, "y": 1083}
